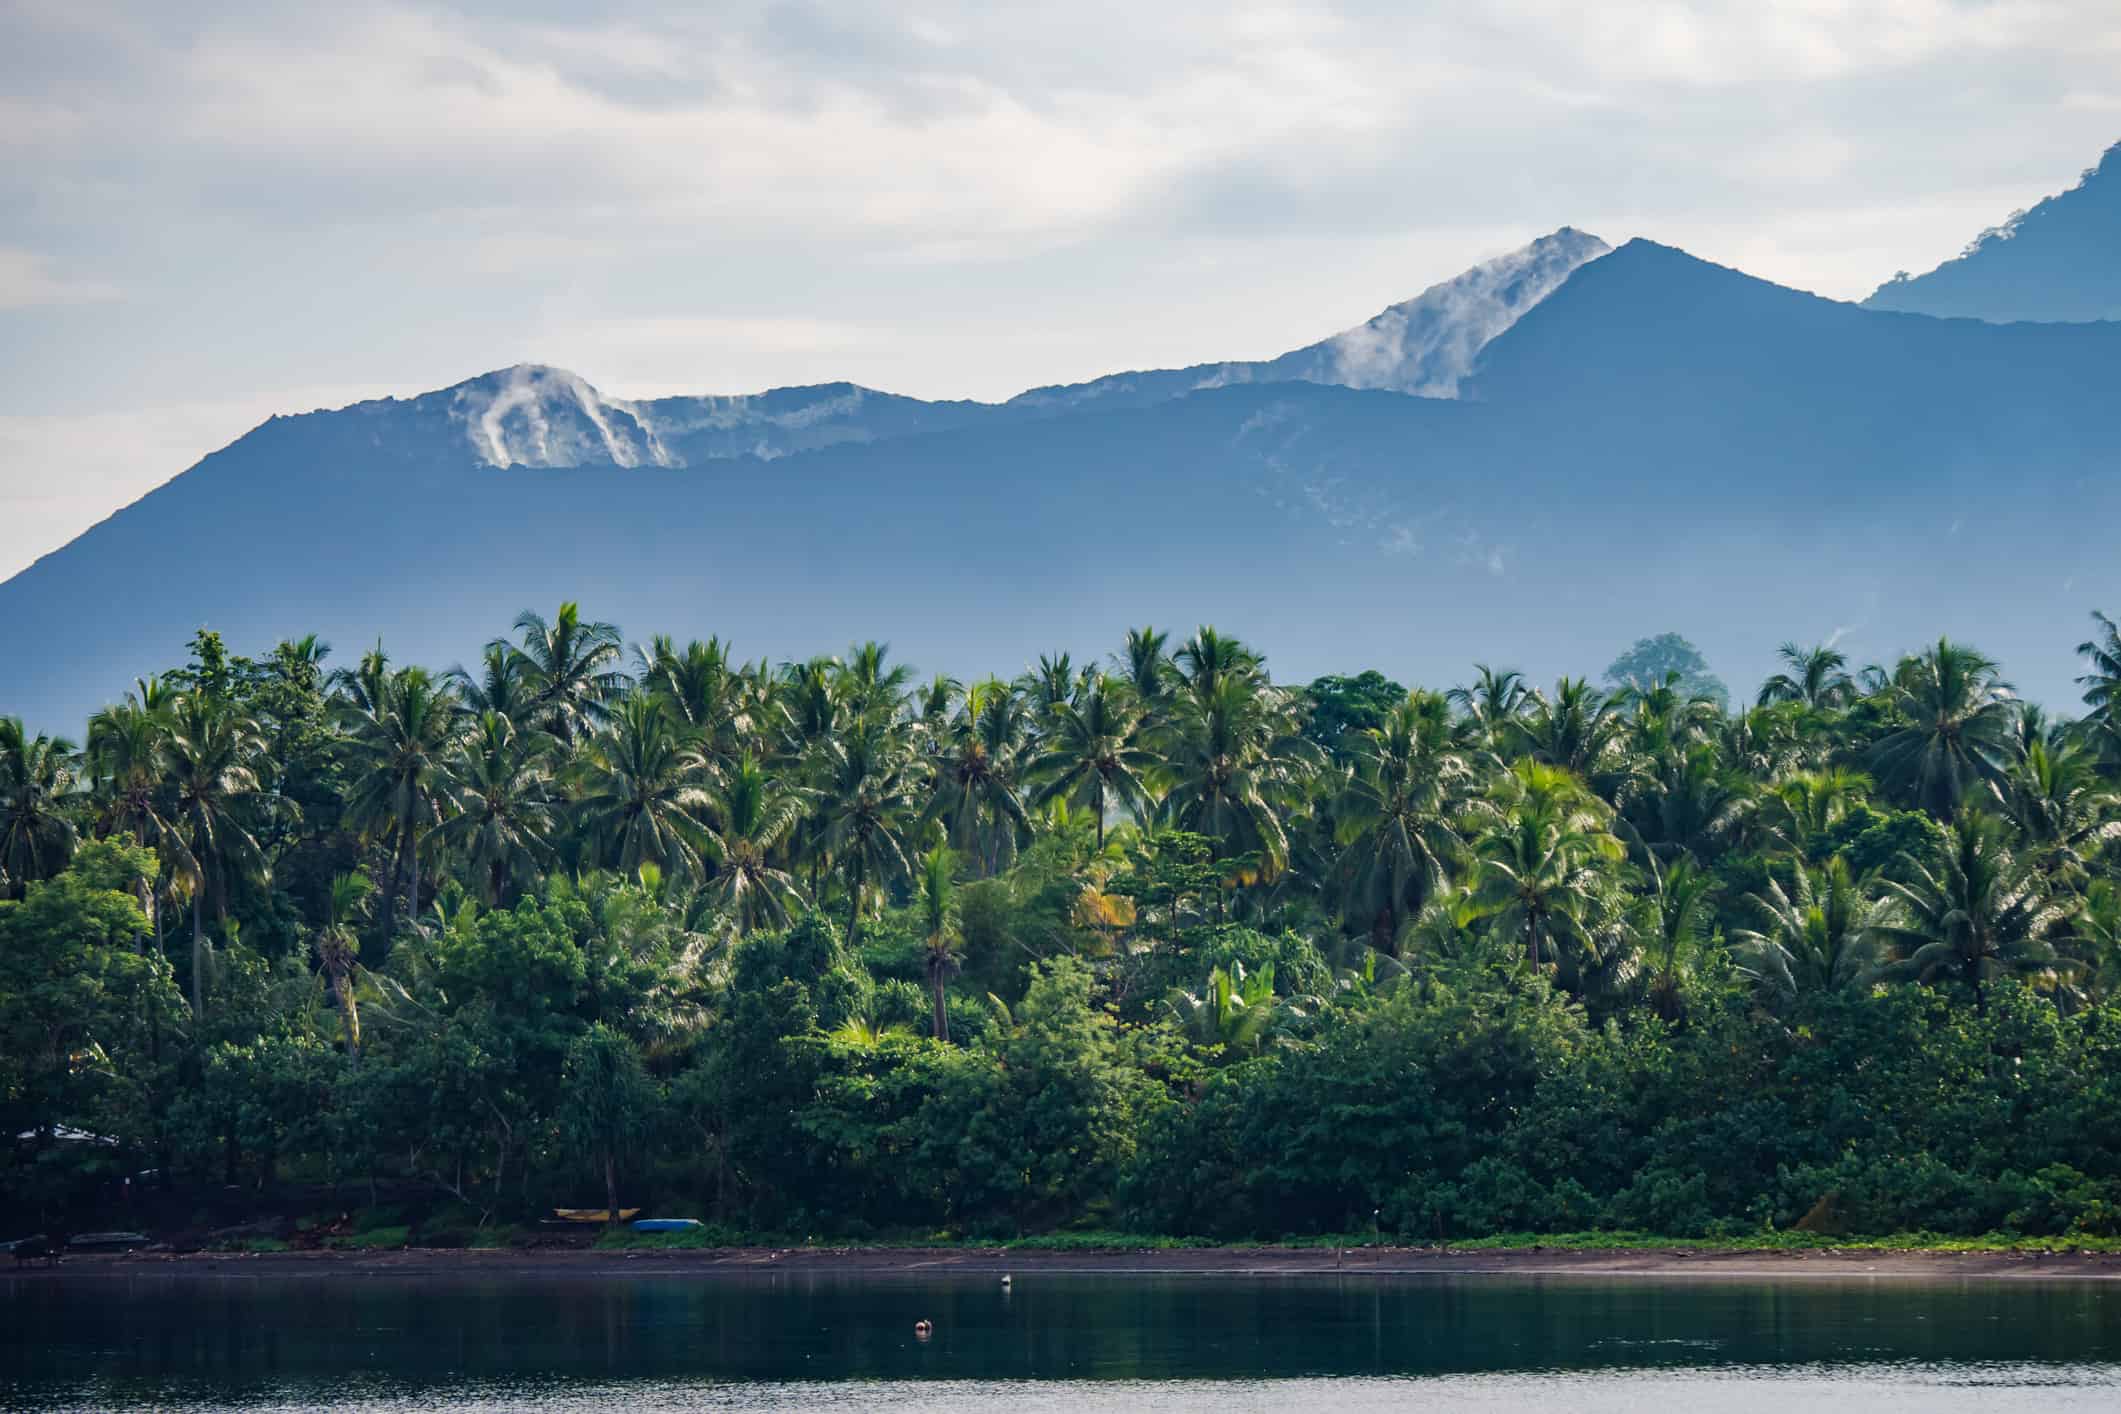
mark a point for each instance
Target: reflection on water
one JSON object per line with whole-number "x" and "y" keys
{"x": 1079, "y": 1343}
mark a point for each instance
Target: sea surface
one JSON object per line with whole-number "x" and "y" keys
{"x": 1071, "y": 1343}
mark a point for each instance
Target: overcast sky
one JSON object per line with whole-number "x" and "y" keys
{"x": 214, "y": 210}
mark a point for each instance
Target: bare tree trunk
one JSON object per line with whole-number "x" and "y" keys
{"x": 611, "y": 1191}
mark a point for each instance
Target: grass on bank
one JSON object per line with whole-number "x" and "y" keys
{"x": 711, "y": 1237}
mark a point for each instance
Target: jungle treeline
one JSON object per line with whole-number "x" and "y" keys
{"x": 1152, "y": 943}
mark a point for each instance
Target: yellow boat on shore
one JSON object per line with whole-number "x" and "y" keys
{"x": 593, "y": 1215}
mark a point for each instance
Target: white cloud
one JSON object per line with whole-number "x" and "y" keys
{"x": 26, "y": 278}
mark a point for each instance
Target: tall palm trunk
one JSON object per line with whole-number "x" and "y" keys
{"x": 198, "y": 950}
{"x": 349, "y": 1011}
{"x": 942, "y": 1010}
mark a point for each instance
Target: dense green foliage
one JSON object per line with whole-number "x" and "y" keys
{"x": 1154, "y": 945}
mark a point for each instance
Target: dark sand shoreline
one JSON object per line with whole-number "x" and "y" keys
{"x": 751, "y": 1262}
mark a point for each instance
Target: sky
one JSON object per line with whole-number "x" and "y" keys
{"x": 214, "y": 211}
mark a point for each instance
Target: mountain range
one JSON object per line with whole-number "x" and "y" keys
{"x": 1535, "y": 463}
{"x": 2055, "y": 261}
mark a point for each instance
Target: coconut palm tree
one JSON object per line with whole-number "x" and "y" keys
{"x": 869, "y": 684}
{"x": 1094, "y": 755}
{"x": 2064, "y": 811}
{"x": 500, "y": 685}
{"x": 1677, "y": 912}
{"x": 212, "y": 781}
{"x": 570, "y": 669}
{"x": 36, "y": 836}
{"x": 1805, "y": 805}
{"x": 1394, "y": 817}
{"x": 1208, "y": 659}
{"x": 976, "y": 774}
{"x": 401, "y": 752}
{"x": 1545, "y": 862}
{"x": 126, "y": 750}
{"x": 867, "y": 810}
{"x": 502, "y": 803}
{"x": 1146, "y": 666}
{"x": 1491, "y": 706}
{"x": 2102, "y": 676}
{"x": 1959, "y": 737}
{"x": 1234, "y": 758}
{"x": 643, "y": 790}
{"x": 1822, "y": 934}
{"x": 750, "y": 821}
{"x": 1980, "y": 914}
{"x": 1817, "y": 677}
{"x": 338, "y": 950}
{"x": 1577, "y": 729}
{"x": 1048, "y": 685}
{"x": 938, "y": 913}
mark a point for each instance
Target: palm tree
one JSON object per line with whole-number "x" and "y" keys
{"x": 36, "y": 837}
{"x": 1577, "y": 729}
{"x": 1146, "y": 666}
{"x": 1394, "y": 816}
{"x": 1236, "y": 1010}
{"x": 338, "y": 950}
{"x": 1544, "y": 861}
{"x": 643, "y": 789}
{"x": 751, "y": 819}
{"x": 1807, "y": 804}
{"x": 400, "y": 755}
{"x": 499, "y": 687}
{"x": 2064, "y": 812}
{"x": 1979, "y": 915}
{"x": 127, "y": 747}
{"x": 1820, "y": 935}
{"x": 1094, "y": 755}
{"x": 2095, "y": 936}
{"x": 1959, "y": 734}
{"x": 937, "y": 909}
{"x": 976, "y": 794}
{"x": 502, "y": 807}
{"x": 1678, "y": 916}
{"x": 1234, "y": 758}
{"x": 209, "y": 757}
{"x": 1050, "y": 684}
{"x": 2102, "y": 679}
{"x": 702, "y": 689}
{"x": 570, "y": 669}
{"x": 869, "y": 684}
{"x": 1817, "y": 677}
{"x": 868, "y": 810}
{"x": 1491, "y": 705}
{"x": 1686, "y": 803}
{"x": 1207, "y": 659}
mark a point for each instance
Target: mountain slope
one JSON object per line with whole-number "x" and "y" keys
{"x": 1660, "y": 444}
{"x": 1423, "y": 346}
{"x": 2059, "y": 261}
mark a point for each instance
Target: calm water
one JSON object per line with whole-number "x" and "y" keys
{"x": 1053, "y": 1342}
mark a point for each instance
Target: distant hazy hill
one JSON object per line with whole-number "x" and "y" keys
{"x": 2059, "y": 261}
{"x": 1659, "y": 444}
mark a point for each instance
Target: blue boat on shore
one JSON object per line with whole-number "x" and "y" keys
{"x": 665, "y": 1224}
